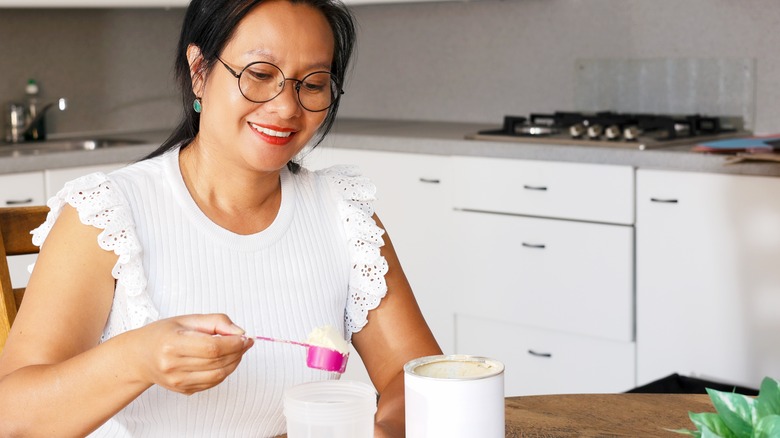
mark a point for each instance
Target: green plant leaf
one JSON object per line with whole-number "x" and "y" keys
{"x": 707, "y": 433}
{"x": 767, "y": 427}
{"x": 693, "y": 433}
{"x": 710, "y": 424}
{"x": 768, "y": 402}
{"x": 736, "y": 410}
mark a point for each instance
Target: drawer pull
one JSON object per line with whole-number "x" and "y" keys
{"x": 664, "y": 201}
{"x": 538, "y": 188}
{"x": 537, "y": 354}
{"x": 430, "y": 180}
{"x": 534, "y": 245}
{"x": 19, "y": 201}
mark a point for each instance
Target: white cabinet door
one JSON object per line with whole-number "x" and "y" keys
{"x": 55, "y": 179}
{"x": 544, "y": 264}
{"x": 588, "y": 192}
{"x": 567, "y": 276}
{"x": 547, "y": 362}
{"x": 20, "y": 189}
{"x": 708, "y": 283}
{"x": 413, "y": 205}
{"x": 17, "y": 190}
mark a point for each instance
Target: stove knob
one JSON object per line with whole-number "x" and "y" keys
{"x": 577, "y": 130}
{"x": 631, "y": 133}
{"x": 612, "y": 132}
{"x": 594, "y": 131}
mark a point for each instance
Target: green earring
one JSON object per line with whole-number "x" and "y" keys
{"x": 196, "y": 105}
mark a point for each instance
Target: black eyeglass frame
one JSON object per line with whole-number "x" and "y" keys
{"x": 297, "y": 85}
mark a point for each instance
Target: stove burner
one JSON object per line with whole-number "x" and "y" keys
{"x": 613, "y": 127}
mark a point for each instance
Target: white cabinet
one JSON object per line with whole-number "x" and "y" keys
{"x": 413, "y": 205}
{"x": 586, "y": 192}
{"x": 708, "y": 283}
{"x": 545, "y": 272}
{"x": 560, "y": 275}
{"x": 17, "y": 190}
{"x": 549, "y": 362}
{"x": 20, "y": 189}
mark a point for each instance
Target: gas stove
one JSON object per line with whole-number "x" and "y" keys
{"x": 636, "y": 131}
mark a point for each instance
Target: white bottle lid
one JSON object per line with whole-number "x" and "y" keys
{"x": 32, "y": 87}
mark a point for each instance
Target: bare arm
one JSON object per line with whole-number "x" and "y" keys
{"x": 395, "y": 334}
{"x": 53, "y": 366}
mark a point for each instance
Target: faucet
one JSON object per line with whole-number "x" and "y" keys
{"x": 18, "y": 130}
{"x": 62, "y": 105}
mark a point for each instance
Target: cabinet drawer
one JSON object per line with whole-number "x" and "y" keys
{"x": 546, "y": 362}
{"x": 561, "y": 275}
{"x": 589, "y": 192}
{"x": 20, "y": 189}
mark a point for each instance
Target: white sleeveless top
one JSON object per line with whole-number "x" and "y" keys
{"x": 318, "y": 263}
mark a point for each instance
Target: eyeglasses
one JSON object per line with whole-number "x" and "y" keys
{"x": 260, "y": 82}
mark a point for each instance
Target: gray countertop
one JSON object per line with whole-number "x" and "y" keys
{"x": 436, "y": 138}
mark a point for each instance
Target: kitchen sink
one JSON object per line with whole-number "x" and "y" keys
{"x": 62, "y": 145}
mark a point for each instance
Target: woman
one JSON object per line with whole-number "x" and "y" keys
{"x": 215, "y": 235}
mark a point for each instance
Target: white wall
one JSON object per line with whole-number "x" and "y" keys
{"x": 452, "y": 61}
{"x": 479, "y": 60}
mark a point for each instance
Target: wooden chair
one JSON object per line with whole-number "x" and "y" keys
{"x": 15, "y": 239}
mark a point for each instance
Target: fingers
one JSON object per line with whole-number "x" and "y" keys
{"x": 191, "y": 353}
{"x": 190, "y": 382}
{"x": 213, "y": 324}
{"x": 210, "y": 346}
{"x": 196, "y": 351}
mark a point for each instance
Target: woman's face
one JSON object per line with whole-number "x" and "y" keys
{"x": 265, "y": 136}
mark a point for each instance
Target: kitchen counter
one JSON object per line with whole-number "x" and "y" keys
{"x": 443, "y": 138}
{"x": 436, "y": 138}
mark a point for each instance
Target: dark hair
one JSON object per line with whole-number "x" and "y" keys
{"x": 210, "y": 24}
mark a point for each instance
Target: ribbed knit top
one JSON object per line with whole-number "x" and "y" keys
{"x": 318, "y": 263}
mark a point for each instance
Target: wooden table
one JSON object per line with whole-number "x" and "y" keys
{"x": 602, "y": 415}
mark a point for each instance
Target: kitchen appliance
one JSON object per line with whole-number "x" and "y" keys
{"x": 612, "y": 129}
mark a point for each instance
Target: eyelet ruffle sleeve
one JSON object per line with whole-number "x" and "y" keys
{"x": 367, "y": 286}
{"x": 100, "y": 204}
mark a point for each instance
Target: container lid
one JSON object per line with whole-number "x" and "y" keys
{"x": 32, "y": 87}
{"x": 329, "y": 401}
{"x": 454, "y": 367}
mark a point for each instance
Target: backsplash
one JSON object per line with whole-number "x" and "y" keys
{"x": 444, "y": 61}
{"x": 113, "y": 66}
{"x": 715, "y": 86}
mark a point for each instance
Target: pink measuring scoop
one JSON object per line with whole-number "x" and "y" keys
{"x": 317, "y": 357}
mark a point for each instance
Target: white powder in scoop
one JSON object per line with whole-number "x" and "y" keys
{"x": 327, "y": 336}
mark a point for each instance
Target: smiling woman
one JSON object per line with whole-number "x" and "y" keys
{"x": 167, "y": 269}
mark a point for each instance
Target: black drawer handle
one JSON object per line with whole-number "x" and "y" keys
{"x": 664, "y": 201}
{"x": 19, "y": 201}
{"x": 537, "y": 354}
{"x": 538, "y": 188}
{"x": 534, "y": 245}
{"x": 430, "y": 180}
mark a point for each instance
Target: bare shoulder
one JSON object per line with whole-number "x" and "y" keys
{"x": 396, "y": 331}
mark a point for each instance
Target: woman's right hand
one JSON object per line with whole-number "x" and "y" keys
{"x": 191, "y": 353}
